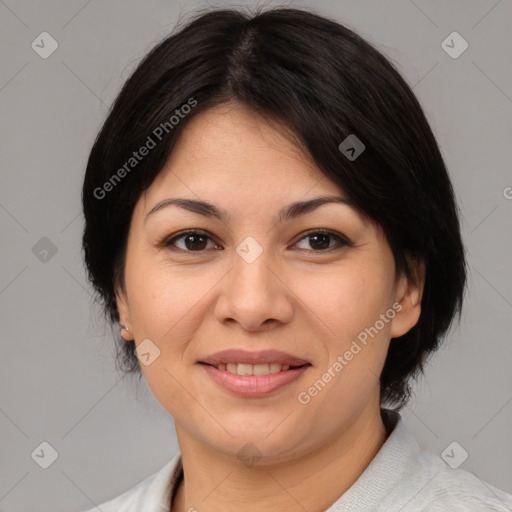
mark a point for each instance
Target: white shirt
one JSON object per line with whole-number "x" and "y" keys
{"x": 402, "y": 477}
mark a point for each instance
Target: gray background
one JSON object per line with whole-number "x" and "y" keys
{"x": 57, "y": 380}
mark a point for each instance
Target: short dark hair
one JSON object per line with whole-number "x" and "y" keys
{"x": 324, "y": 82}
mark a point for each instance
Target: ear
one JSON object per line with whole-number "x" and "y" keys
{"x": 408, "y": 294}
{"x": 124, "y": 313}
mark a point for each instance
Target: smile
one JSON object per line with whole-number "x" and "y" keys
{"x": 254, "y": 369}
{"x": 257, "y": 380}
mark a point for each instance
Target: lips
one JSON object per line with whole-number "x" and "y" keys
{"x": 237, "y": 356}
{"x": 253, "y": 386}
{"x": 253, "y": 374}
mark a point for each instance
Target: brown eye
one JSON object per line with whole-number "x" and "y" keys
{"x": 195, "y": 242}
{"x": 320, "y": 241}
{"x": 192, "y": 241}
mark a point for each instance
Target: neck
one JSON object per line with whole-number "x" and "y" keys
{"x": 313, "y": 481}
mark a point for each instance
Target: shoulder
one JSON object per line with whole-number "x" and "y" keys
{"x": 126, "y": 501}
{"x": 151, "y": 494}
{"x": 407, "y": 478}
{"x": 437, "y": 487}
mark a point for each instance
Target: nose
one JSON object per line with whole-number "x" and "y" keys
{"x": 254, "y": 294}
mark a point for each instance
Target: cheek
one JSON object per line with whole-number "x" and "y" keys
{"x": 165, "y": 305}
{"x": 168, "y": 305}
{"x": 158, "y": 292}
{"x": 347, "y": 299}
{"x": 160, "y": 302}
{"x": 348, "y": 303}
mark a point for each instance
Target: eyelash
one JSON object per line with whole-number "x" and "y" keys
{"x": 342, "y": 241}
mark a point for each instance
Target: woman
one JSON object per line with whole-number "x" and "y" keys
{"x": 271, "y": 223}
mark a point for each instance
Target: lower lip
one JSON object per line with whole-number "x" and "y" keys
{"x": 253, "y": 385}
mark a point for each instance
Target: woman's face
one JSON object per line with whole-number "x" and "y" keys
{"x": 256, "y": 282}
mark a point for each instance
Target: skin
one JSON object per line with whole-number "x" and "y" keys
{"x": 298, "y": 296}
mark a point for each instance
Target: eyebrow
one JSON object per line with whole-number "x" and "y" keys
{"x": 287, "y": 213}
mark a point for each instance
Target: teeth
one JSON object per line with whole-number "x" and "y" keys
{"x": 275, "y": 367}
{"x": 244, "y": 369}
{"x": 253, "y": 369}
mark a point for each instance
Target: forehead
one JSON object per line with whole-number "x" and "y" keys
{"x": 230, "y": 146}
{"x": 232, "y": 124}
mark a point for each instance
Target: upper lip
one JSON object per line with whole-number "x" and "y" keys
{"x": 246, "y": 357}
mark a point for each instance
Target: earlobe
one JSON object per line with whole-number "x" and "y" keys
{"x": 124, "y": 317}
{"x": 409, "y": 295}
